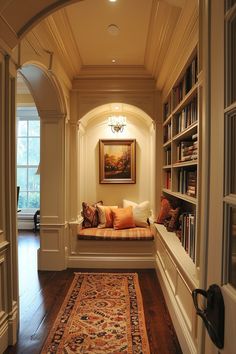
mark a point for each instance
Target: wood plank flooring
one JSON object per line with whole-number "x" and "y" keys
{"x": 42, "y": 293}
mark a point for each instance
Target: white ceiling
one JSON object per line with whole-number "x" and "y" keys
{"x": 89, "y": 21}
{"x": 145, "y": 32}
{"x": 150, "y": 38}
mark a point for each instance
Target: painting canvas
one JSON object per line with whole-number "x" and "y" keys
{"x": 117, "y": 161}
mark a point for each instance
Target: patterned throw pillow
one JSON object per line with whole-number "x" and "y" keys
{"x": 173, "y": 223}
{"x": 164, "y": 211}
{"x": 90, "y": 214}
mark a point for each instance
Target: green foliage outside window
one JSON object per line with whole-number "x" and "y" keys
{"x": 28, "y": 157}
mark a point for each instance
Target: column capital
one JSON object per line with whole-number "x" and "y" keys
{"x": 51, "y": 115}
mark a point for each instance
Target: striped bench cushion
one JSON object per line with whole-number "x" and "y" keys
{"x": 135, "y": 233}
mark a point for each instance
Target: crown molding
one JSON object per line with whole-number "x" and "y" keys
{"x": 59, "y": 28}
{"x": 8, "y": 35}
{"x": 114, "y": 71}
{"x": 164, "y": 18}
{"x": 183, "y": 42}
{"x": 114, "y": 84}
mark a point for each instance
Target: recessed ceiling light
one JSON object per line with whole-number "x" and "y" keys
{"x": 112, "y": 0}
{"x": 113, "y": 29}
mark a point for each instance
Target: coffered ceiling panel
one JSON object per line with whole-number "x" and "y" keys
{"x": 106, "y": 31}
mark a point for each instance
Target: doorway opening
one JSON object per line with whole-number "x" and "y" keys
{"x": 28, "y": 158}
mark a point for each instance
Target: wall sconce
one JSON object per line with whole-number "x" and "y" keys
{"x": 117, "y": 123}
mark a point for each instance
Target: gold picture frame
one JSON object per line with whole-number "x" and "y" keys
{"x": 117, "y": 161}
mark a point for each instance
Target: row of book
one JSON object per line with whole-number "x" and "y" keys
{"x": 187, "y": 151}
{"x": 187, "y": 116}
{"x": 167, "y": 180}
{"x": 186, "y": 233}
{"x": 167, "y": 132}
{"x": 179, "y": 91}
{"x": 167, "y": 157}
{"x": 187, "y": 182}
{"x": 167, "y": 108}
{"x": 191, "y": 75}
{"x": 185, "y": 85}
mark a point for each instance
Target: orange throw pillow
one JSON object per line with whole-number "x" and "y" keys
{"x": 123, "y": 218}
{"x": 164, "y": 211}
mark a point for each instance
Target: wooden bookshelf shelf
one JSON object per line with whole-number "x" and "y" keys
{"x": 181, "y": 196}
{"x": 178, "y": 240}
{"x": 168, "y": 120}
{"x": 188, "y": 132}
{"x": 185, "y": 164}
{"x": 180, "y": 154}
{"x": 187, "y": 98}
{"x": 167, "y": 143}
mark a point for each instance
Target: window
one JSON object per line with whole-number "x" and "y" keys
{"x": 230, "y": 138}
{"x": 28, "y": 157}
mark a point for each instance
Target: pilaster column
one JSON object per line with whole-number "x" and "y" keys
{"x": 52, "y": 254}
{"x": 8, "y": 229}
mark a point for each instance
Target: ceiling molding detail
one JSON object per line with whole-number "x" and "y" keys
{"x": 60, "y": 30}
{"x": 162, "y": 25}
{"x": 8, "y": 35}
{"x": 111, "y": 85}
{"x": 108, "y": 71}
{"x": 183, "y": 42}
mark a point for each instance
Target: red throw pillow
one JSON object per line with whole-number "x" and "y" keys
{"x": 123, "y": 218}
{"x": 164, "y": 211}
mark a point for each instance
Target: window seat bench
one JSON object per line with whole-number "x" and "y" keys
{"x": 132, "y": 234}
{"x": 110, "y": 248}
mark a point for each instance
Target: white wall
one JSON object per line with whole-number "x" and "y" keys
{"x": 113, "y": 194}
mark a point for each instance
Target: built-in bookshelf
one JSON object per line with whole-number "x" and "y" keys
{"x": 181, "y": 154}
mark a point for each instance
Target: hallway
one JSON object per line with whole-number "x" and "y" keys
{"x": 42, "y": 293}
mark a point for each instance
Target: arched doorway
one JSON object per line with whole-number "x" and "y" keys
{"x": 52, "y": 111}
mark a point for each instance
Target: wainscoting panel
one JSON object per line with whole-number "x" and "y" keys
{"x": 52, "y": 252}
{"x": 178, "y": 297}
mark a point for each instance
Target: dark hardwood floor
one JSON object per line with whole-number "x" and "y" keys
{"x": 42, "y": 293}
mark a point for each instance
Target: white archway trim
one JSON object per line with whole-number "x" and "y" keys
{"x": 141, "y": 127}
{"x": 109, "y": 109}
{"x": 51, "y": 105}
{"x": 45, "y": 88}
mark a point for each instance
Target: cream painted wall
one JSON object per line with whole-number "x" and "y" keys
{"x": 113, "y": 194}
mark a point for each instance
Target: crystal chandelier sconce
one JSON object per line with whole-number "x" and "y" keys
{"x": 117, "y": 123}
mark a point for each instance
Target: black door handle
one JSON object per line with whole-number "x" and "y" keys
{"x": 213, "y": 315}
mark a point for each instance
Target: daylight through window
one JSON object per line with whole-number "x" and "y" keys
{"x": 28, "y": 157}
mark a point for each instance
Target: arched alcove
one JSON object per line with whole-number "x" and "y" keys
{"x": 94, "y": 126}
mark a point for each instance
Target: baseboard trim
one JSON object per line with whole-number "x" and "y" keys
{"x": 110, "y": 262}
{"x": 13, "y": 324}
{"x": 182, "y": 331}
{"x": 8, "y": 328}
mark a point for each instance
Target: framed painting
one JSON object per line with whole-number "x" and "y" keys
{"x": 117, "y": 161}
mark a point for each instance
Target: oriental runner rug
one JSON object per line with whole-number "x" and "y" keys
{"x": 101, "y": 314}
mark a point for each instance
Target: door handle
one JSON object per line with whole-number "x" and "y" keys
{"x": 213, "y": 315}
